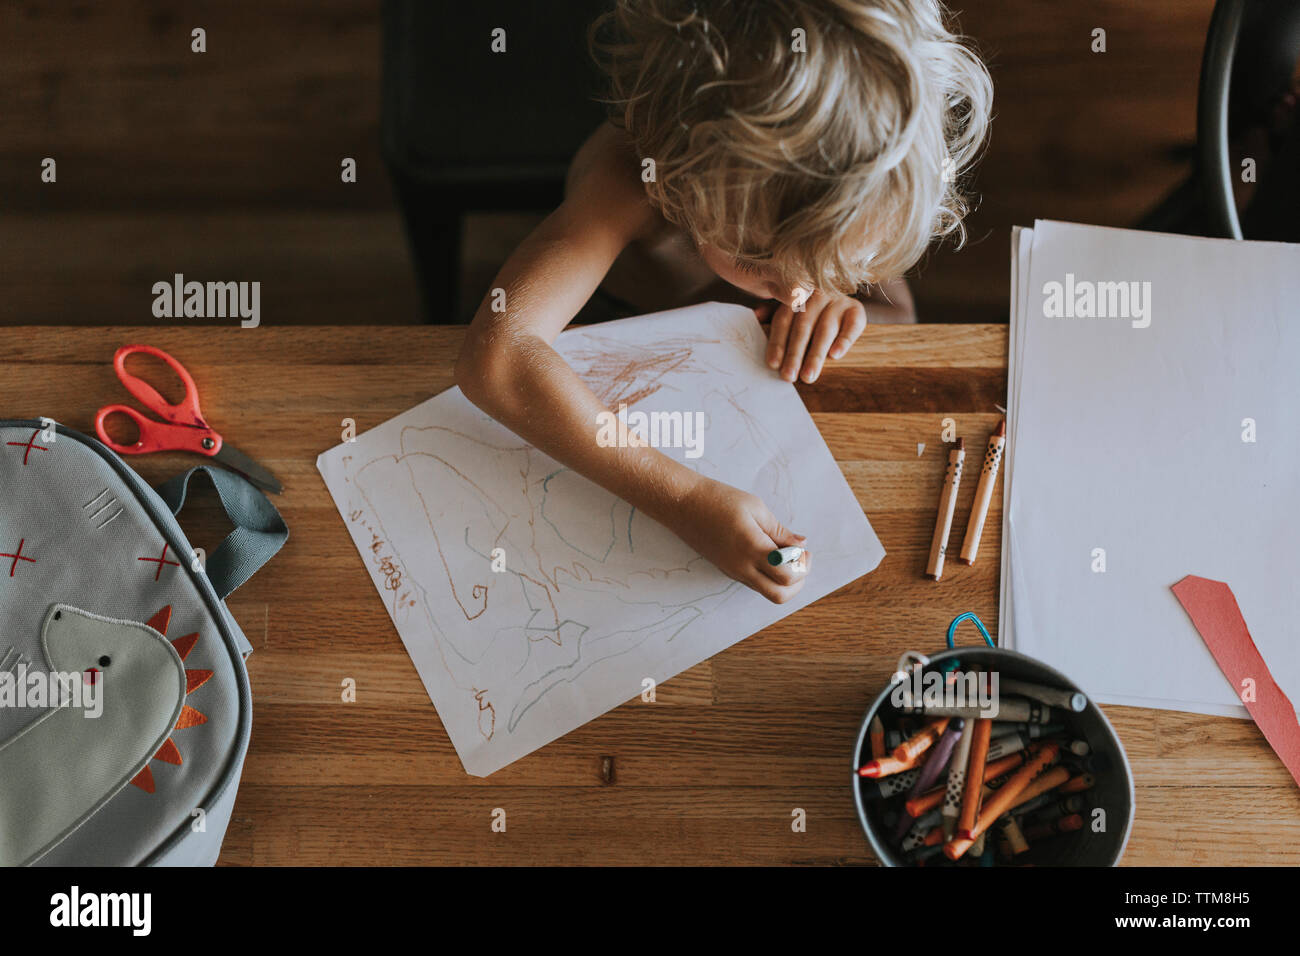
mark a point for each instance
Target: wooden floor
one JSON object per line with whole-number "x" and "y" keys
{"x": 712, "y": 771}
{"x": 225, "y": 165}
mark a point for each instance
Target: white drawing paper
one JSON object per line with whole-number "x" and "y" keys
{"x": 530, "y": 599}
{"x": 1135, "y": 440}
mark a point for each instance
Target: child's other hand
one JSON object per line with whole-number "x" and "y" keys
{"x": 735, "y": 531}
{"x": 800, "y": 342}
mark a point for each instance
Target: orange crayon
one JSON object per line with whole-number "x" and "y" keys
{"x": 887, "y": 766}
{"x": 1049, "y": 780}
{"x": 1083, "y": 781}
{"x": 1003, "y": 800}
{"x": 877, "y": 738}
{"x": 923, "y": 740}
{"x": 979, "y": 752}
{"x": 920, "y": 805}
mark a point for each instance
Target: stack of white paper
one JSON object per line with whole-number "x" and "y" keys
{"x": 1153, "y": 432}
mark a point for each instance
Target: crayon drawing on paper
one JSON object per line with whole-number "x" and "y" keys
{"x": 530, "y": 599}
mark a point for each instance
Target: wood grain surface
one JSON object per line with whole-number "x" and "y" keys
{"x": 709, "y": 773}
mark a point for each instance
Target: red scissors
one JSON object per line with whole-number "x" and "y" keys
{"x": 183, "y": 427}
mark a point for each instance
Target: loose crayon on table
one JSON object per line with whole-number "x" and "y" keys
{"x": 983, "y": 493}
{"x": 1065, "y": 699}
{"x": 922, "y": 740}
{"x": 947, "y": 507}
{"x": 877, "y": 738}
{"x": 979, "y": 751}
{"x": 1000, "y": 802}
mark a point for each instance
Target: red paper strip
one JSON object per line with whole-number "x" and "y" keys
{"x": 1214, "y": 611}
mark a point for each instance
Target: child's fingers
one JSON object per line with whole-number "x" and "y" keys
{"x": 801, "y": 330}
{"x": 778, "y": 535}
{"x": 852, "y": 323}
{"x": 778, "y": 335}
{"x": 776, "y": 593}
{"x": 827, "y": 328}
{"x": 763, "y": 311}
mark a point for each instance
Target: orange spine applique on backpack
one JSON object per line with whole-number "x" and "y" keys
{"x": 194, "y": 679}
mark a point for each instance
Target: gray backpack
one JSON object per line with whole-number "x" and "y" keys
{"x": 124, "y": 701}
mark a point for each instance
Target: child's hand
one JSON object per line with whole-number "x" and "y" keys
{"x": 800, "y": 341}
{"x": 736, "y": 532}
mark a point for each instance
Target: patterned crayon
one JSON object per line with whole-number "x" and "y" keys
{"x": 891, "y": 786}
{"x": 956, "y": 785}
{"x": 935, "y": 765}
{"x": 947, "y": 507}
{"x": 916, "y": 835}
{"x": 927, "y": 801}
{"x": 921, "y": 741}
{"x": 983, "y": 494}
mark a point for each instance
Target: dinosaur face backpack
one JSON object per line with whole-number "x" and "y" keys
{"x": 124, "y": 701}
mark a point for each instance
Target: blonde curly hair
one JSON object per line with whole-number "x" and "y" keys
{"x": 835, "y": 155}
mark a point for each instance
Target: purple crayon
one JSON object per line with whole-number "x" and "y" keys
{"x": 932, "y": 768}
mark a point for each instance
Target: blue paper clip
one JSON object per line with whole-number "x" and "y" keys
{"x": 953, "y": 664}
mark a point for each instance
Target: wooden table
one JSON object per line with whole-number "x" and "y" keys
{"x": 711, "y": 772}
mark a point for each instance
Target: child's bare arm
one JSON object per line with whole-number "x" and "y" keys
{"x": 509, "y": 369}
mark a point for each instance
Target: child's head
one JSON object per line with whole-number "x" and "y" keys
{"x": 814, "y": 143}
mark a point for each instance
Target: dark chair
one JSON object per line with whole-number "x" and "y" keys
{"x": 468, "y": 129}
{"x": 1249, "y": 64}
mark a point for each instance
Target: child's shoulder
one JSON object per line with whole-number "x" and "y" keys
{"x": 604, "y": 180}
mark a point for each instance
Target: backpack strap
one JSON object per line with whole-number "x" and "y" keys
{"x": 259, "y": 530}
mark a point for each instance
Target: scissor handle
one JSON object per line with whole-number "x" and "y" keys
{"x": 185, "y": 412}
{"x": 157, "y": 436}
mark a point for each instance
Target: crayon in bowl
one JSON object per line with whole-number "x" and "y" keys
{"x": 1038, "y": 778}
